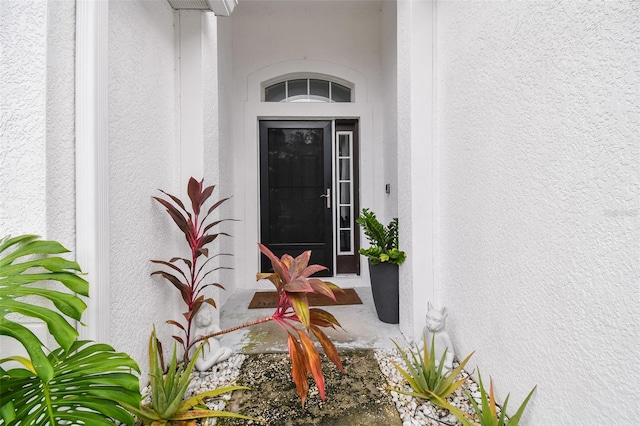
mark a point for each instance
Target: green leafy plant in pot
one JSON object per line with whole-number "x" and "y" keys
{"x": 384, "y": 257}
{"x": 383, "y": 240}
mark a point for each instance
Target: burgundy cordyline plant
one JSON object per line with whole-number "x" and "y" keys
{"x": 189, "y": 275}
{"x": 291, "y": 277}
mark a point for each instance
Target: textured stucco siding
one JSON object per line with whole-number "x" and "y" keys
{"x": 37, "y": 128}
{"x": 23, "y": 33}
{"x": 37, "y": 124}
{"x": 60, "y": 122}
{"x": 390, "y": 106}
{"x": 142, "y": 158}
{"x": 224, "y": 73}
{"x": 415, "y": 162}
{"x": 539, "y": 135}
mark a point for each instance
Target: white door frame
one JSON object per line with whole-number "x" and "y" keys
{"x": 246, "y": 159}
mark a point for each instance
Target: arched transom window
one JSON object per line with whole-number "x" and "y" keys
{"x": 307, "y": 90}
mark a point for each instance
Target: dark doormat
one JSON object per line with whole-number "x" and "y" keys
{"x": 355, "y": 399}
{"x": 269, "y": 299}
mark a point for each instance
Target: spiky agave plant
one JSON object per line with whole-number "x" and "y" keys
{"x": 191, "y": 275}
{"x": 486, "y": 410}
{"x": 167, "y": 392}
{"x": 427, "y": 378}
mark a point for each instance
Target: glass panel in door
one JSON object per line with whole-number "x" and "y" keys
{"x": 295, "y": 194}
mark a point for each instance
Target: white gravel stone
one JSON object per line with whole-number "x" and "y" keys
{"x": 412, "y": 411}
{"x": 221, "y": 375}
{"x": 421, "y": 413}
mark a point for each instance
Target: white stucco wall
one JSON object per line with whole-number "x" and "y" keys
{"x": 142, "y": 158}
{"x": 390, "y": 109}
{"x": 36, "y": 128}
{"x": 60, "y": 123}
{"x": 211, "y": 129}
{"x": 540, "y": 186}
{"x": 201, "y": 119}
{"x": 225, "y": 188}
{"x": 329, "y": 37}
{"x": 23, "y": 38}
{"x": 416, "y": 161}
{"x": 37, "y": 174}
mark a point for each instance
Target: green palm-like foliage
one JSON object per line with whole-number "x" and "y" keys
{"x": 87, "y": 381}
{"x": 383, "y": 240}
{"x": 24, "y": 261}
{"x": 167, "y": 392}
{"x": 77, "y": 383}
{"x": 428, "y": 381}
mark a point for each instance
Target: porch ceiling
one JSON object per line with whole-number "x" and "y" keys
{"x": 218, "y": 7}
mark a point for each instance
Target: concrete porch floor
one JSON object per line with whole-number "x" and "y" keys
{"x": 362, "y": 328}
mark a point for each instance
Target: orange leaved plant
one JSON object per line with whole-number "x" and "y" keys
{"x": 291, "y": 277}
{"x": 191, "y": 276}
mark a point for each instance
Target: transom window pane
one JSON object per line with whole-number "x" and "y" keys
{"x": 307, "y": 90}
{"x": 297, "y": 90}
{"x": 340, "y": 93}
{"x": 276, "y": 92}
{"x": 319, "y": 91}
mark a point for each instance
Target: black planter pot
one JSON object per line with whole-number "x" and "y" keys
{"x": 384, "y": 286}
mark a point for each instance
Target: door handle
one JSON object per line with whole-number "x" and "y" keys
{"x": 328, "y": 197}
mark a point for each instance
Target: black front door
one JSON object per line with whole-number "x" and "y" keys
{"x": 295, "y": 190}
